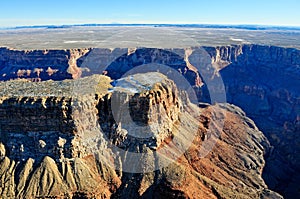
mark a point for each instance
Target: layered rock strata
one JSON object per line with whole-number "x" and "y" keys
{"x": 232, "y": 168}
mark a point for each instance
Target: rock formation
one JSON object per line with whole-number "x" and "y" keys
{"x": 67, "y": 156}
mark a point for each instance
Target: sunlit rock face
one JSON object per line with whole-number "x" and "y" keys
{"x": 67, "y": 157}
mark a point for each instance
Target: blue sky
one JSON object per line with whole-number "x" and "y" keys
{"x": 41, "y": 12}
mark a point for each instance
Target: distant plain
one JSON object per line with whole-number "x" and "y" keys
{"x": 142, "y": 36}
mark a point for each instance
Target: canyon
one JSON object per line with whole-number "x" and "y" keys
{"x": 53, "y": 105}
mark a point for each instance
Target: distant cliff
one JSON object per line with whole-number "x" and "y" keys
{"x": 264, "y": 81}
{"x": 39, "y": 65}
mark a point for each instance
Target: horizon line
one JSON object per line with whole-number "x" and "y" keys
{"x": 117, "y": 23}
{"x": 203, "y": 25}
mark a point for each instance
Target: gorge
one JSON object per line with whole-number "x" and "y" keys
{"x": 49, "y": 115}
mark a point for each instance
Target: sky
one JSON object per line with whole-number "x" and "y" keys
{"x": 58, "y": 12}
